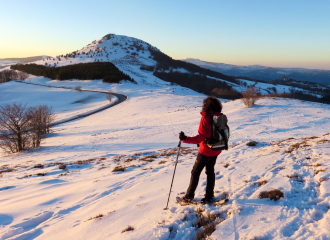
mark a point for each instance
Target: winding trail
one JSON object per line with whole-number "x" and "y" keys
{"x": 121, "y": 98}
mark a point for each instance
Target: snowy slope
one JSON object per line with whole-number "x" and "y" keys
{"x": 117, "y": 49}
{"x": 60, "y": 204}
{"x": 88, "y": 200}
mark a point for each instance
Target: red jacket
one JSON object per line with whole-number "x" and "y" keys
{"x": 204, "y": 131}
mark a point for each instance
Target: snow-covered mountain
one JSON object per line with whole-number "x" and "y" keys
{"x": 266, "y": 73}
{"x": 113, "y": 48}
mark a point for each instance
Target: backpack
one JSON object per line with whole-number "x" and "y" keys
{"x": 220, "y": 133}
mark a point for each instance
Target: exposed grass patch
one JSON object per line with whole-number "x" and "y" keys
{"x": 162, "y": 162}
{"x": 129, "y": 228}
{"x": 226, "y": 165}
{"x": 38, "y": 166}
{"x": 251, "y": 144}
{"x": 27, "y": 175}
{"x": 62, "y": 166}
{"x": 119, "y": 169}
{"x": 99, "y": 216}
{"x": 296, "y": 177}
{"x": 318, "y": 171}
{"x": 260, "y": 183}
{"x": 207, "y": 231}
{"x": 199, "y": 210}
{"x": 83, "y": 162}
{"x": 273, "y": 194}
{"x": 313, "y": 165}
{"x": 7, "y": 170}
{"x": 41, "y": 174}
{"x": 148, "y": 168}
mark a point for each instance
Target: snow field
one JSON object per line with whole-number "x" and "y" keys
{"x": 140, "y": 135}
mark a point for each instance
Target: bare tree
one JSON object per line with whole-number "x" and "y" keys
{"x": 109, "y": 97}
{"x": 23, "y": 128}
{"x": 14, "y": 124}
{"x": 22, "y": 75}
{"x": 41, "y": 118}
{"x": 251, "y": 95}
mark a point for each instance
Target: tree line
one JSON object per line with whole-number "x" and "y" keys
{"x": 165, "y": 62}
{"x": 200, "y": 83}
{"x": 82, "y": 71}
{"x": 9, "y": 75}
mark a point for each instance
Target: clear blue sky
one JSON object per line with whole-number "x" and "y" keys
{"x": 284, "y": 33}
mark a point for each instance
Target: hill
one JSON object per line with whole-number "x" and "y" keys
{"x": 266, "y": 73}
{"x": 10, "y": 61}
{"x": 127, "y": 51}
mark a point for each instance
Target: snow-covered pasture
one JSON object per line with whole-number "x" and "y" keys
{"x": 88, "y": 200}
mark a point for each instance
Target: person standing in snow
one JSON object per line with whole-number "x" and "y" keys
{"x": 206, "y": 156}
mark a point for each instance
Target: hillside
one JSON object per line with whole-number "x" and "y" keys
{"x": 89, "y": 200}
{"x": 266, "y": 73}
{"x": 94, "y": 177}
{"x": 10, "y": 61}
{"x": 127, "y": 51}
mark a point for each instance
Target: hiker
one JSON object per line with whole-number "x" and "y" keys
{"x": 206, "y": 156}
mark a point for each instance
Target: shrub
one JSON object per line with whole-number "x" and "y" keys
{"x": 22, "y": 128}
{"x": 252, "y": 144}
{"x": 109, "y": 97}
{"x": 62, "y": 166}
{"x": 250, "y": 96}
{"x": 129, "y": 228}
{"x": 118, "y": 169}
{"x": 273, "y": 194}
{"x": 78, "y": 89}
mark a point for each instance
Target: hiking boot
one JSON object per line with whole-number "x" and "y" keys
{"x": 206, "y": 200}
{"x": 186, "y": 200}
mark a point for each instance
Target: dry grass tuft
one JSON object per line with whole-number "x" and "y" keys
{"x": 202, "y": 221}
{"x": 7, "y": 170}
{"x": 119, "y": 169}
{"x": 27, "y": 175}
{"x": 38, "y": 166}
{"x": 273, "y": 194}
{"x": 62, "y": 166}
{"x": 207, "y": 231}
{"x": 162, "y": 162}
{"x": 315, "y": 165}
{"x": 295, "y": 176}
{"x": 99, "y": 216}
{"x": 129, "y": 228}
{"x": 252, "y": 144}
{"x": 260, "y": 183}
{"x": 211, "y": 216}
{"x": 199, "y": 210}
{"x": 318, "y": 171}
{"x": 41, "y": 174}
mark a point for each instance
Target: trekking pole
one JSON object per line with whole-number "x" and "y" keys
{"x": 176, "y": 162}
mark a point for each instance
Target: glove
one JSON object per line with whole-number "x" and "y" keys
{"x": 182, "y": 136}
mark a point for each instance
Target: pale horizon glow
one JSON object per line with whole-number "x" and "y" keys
{"x": 291, "y": 34}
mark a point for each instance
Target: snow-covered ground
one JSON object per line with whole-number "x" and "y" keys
{"x": 89, "y": 200}
{"x": 141, "y": 134}
{"x": 65, "y": 103}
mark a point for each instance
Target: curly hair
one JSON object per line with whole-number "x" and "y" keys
{"x": 211, "y": 104}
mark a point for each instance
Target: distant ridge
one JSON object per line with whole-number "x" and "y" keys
{"x": 266, "y": 73}
{"x": 25, "y": 60}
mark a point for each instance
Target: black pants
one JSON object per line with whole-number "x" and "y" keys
{"x": 201, "y": 162}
